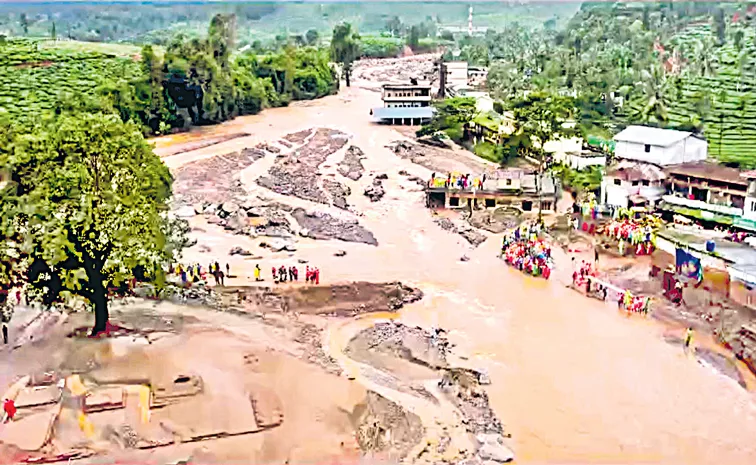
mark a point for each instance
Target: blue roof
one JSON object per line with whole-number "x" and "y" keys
{"x": 402, "y": 112}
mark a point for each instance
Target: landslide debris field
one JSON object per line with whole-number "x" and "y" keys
{"x": 251, "y": 372}
{"x": 257, "y": 365}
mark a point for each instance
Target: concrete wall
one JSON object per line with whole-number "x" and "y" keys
{"x": 617, "y": 195}
{"x": 687, "y": 150}
{"x": 580, "y": 163}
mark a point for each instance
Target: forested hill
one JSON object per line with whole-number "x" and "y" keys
{"x": 158, "y": 22}
{"x": 683, "y": 65}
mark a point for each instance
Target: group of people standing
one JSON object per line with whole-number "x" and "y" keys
{"x": 458, "y": 181}
{"x": 524, "y": 250}
{"x": 196, "y": 273}
{"x": 291, "y": 273}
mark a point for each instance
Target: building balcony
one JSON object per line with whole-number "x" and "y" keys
{"x": 407, "y": 98}
{"x": 699, "y": 205}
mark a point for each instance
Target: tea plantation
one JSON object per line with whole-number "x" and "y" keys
{"x": 35, "y": 78}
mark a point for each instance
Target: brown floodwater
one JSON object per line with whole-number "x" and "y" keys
{"x": 573, "y": 380}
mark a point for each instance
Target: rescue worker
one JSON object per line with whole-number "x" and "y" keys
{"x": 688, "y": 338}
{"x": 257, "y": 273}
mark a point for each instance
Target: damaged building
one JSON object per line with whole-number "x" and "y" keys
{"x": 515, "y": 188}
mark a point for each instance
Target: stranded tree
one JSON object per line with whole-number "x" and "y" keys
{"x": 85, "y": 208}
{"x": 345, "y": 48}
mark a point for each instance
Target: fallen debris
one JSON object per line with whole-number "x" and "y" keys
{"x": 351, "y": 166}
{"x": 293, "y": 174}
{"x": 338, "y": 193}
{"x": 318, "y": 225}
{"x": 375, "y": 191}
{"x": 472, "y": 236}
{"x": 213, "y": 180}
{"x": 239, "y": 251}
{"x": 385, "y": 426}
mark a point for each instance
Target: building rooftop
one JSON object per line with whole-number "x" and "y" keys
{"x": 631, "y": 171}
{"x": 738, "y": 255}
{"x": 403, "y": 112}
{"x": 651, "y": 136}
{"x": 707, "y": 170}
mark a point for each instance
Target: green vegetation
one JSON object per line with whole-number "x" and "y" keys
{"x": 192, "y": 81}
{"x": 452, "y": 115}
{"x": 681, "y": 65}
{"x": 345, "y": 48}
{"x": 489, "y": 151}
{"x": 85, "y": 209}
{"x": 158, "y": 22}
{"x": 582, "y": 181}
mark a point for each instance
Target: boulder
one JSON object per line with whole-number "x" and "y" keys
{"x": 304, "y": 232}
{"x": 374, "y": 192}
{"x": 230, "y": 207}
{"x": 185, "y": 212}
{"x": 236, "y": 222}
{"x": 403, "y": 173}
{"x": 340, "y": 253}
{"x": 199, "y": 209}
{"x": 464, "y": 258}
{"x": 493, "y": 449}
{"x": 239, "y": 251}
{"x": 382, "y": 176}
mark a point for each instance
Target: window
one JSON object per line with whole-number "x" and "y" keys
{"x": 490, "y": 203}
{"x": 617, "y": 182}
{"x": 509, "y": 182}
{"x": 635, "y": 183}
{"x": 647, "y": 148}
{"x": 454, "y": 201}
{"x": 753, "y": 206}
{"x": 645, "y": 182}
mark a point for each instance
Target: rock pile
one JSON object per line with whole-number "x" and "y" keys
{"x": 213, "y": 180}
{"x": 471, "y": 235}
{"x": 318, "y": 225}
{"x": 351, "y": 166}
{"x": 338, "y": 193}
{"x": 293, "y": 174}
{"x": 299, "y": 137}
{"x": 375, "y": 191}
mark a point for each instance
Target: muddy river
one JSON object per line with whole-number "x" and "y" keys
{"x": 572, "y": 380}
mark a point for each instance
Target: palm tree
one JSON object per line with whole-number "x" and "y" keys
{"x": 654, "y": 89}
{"x": 704, "y": 61}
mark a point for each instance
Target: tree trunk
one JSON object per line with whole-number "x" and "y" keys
{"x": 98, "y": 295}
{"x": 100, "y": 301}
{"x": 346, "y": 76}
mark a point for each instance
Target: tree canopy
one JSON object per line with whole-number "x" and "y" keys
{"x": 85, "y": 209}
{"x": 345, "y": 47}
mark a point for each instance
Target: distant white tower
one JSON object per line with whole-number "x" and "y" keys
{"x": 469, "y": 22}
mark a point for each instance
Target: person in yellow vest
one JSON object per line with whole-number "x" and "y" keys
{"x": 688, "y": 338}
{"x": 628, "y": 299}
{"x": 257, "y": 273}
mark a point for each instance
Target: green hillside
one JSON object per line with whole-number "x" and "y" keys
{"x": 35, "y": 77}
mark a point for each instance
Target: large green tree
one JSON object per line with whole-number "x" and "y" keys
{"x": 86, "y": 207}
{"x": 538, "y": 119}
{"x": 345, "y": 48}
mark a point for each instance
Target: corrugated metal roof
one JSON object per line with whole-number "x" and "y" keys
{"x": 402, "y": 112}
{"x": 651, "y": 136}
